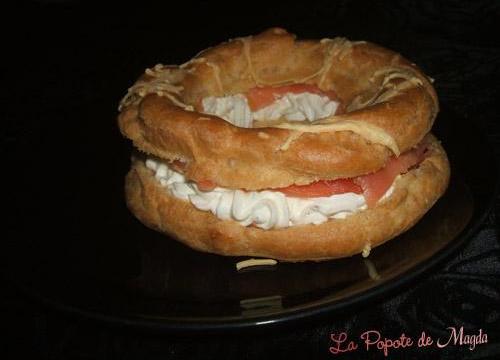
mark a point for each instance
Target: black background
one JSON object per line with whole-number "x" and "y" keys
{"x": 72, "y": 61}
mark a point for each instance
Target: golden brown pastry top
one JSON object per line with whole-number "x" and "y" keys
{"x": 390, "y": 105}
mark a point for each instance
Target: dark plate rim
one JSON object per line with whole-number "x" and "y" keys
{"x": 286, "y": 316}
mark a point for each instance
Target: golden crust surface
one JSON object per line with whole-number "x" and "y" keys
{"x": 415, "y": 192}
{"x": 378, "y": 87}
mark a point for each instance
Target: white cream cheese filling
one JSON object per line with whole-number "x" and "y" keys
{"x": 292, "y": 107}
{"x": 265, "y": 209}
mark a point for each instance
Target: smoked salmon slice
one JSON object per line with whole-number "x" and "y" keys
{"x": 376, "y": 184}
{"x": 372, "y": 186}
{"x": 322, "y": 188}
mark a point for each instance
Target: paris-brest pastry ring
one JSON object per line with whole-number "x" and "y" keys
{"x": 240, "y": 180}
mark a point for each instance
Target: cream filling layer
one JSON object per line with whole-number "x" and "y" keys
{"x": 264, "y": 209}
{"x": 291, "y": 106}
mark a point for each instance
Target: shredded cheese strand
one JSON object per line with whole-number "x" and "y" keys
{"x": 294, "y": 135}
{"x": 160, "y": 84}
{"x": 337, "y": 47}
{"x": 388, "y": 89}
{"x": 216, "y": 71}
{"x": 246, "y": 52}
{"x": 366, "y": 130}
{"x": 372, "y": 270}
{"x": 366, "y": 250}
{"x": 254, "y": 262}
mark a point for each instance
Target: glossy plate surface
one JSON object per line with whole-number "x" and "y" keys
{"x": 73, "y": 244}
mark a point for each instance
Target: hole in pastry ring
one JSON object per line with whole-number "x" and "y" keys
{"x": 390, "y": 105}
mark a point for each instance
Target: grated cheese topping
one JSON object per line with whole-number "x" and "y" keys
{"x": 366, "y": 130}
{"x": 162, "y": 83}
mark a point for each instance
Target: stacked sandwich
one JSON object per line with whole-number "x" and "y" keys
{"x": 282, "y": 148}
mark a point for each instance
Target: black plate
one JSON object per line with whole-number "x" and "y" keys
{"x": 73, "y": 243}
